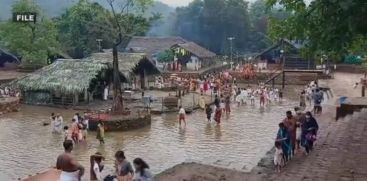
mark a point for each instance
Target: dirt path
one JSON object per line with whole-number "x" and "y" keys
{"x": 339, "y": 154}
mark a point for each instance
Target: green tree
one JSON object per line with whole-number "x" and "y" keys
{"x": 81, "y": 25}
{"x": 331, "y": 26}
{"x": 125, "y": 25}
{"x": 260, "y": 16}
{"x": 85, "y": 22}
{"x": 211, "y": 22}
{"x": 165, "y": 57}
{"x": 34, "y": 42}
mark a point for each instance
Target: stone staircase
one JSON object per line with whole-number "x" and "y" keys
{"x": 298, "y": 63}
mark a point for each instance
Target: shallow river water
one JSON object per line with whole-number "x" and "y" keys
{"x": 239, "y": 142}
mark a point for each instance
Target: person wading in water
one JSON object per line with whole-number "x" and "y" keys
{"x": 217, "y": 114}
{"x": 71, "y": 169}
{"x": 208, "y": 111}
{"x": 75, "y": 131}
{"x": 100, "y": 132}
{"x": 181, "y": 115}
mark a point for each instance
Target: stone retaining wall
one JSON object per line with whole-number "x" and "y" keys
{"x": 10, "y": 104}
{"x": 123, "y": 124}
{"x": 350, "y": 68}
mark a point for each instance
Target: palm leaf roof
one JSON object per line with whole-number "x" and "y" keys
{"x": 67, "y": 76}
{"x": 71, "y": 76}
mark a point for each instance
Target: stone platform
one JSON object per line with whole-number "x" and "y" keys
{"x": 350, "y": 105}
{"x": 9, "y": 104}
{"x": 120, "y": 122}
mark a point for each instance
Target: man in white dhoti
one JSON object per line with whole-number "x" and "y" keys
{"x": 71, "y": 169}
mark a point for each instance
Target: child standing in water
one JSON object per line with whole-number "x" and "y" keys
{"x": 181, "y": 115}
{"x": 278, "y": 156}
{"x": 208, "y": 111}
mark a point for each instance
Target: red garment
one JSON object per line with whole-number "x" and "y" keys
{"x": 206, "y": 86}
{"x": 218, "y": 115}
{"x": 181, "y": 116}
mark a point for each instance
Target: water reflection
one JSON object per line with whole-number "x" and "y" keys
{"x": 244, "y": 137}
{"x": 217, "y": 132}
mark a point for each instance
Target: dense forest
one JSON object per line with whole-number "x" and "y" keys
{"x": 330, "y": 27}
{"x": 207, "y": 22}
{"x": 75, "y": 31}
{"x": 212, "y": 22}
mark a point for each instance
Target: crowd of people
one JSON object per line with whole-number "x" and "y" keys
{"x": 295, "y": 131}
{"x": 9, "y": 92}
{"x": 299, "y": 131}
{"x": 222, "y": 102}
{"x": 71, "y": 170}
{"x": 75, "y": 134}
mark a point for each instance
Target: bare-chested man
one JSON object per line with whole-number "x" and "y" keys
{"x": 71, "y": 169}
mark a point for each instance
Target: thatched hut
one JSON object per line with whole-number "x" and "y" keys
{"x": 77, "y": 81}
{"x": 193, "y": 56}
{"x": 66, "y": 82}
{"x": 135, "y": 67}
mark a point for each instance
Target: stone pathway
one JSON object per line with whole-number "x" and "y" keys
{"x": 339, "y": 154}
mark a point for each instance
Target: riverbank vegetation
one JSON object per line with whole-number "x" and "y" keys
{"x": 75, "y": 33}
{"x": 329, "y": 27}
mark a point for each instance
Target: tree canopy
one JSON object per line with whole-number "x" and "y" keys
{"x": 334, "y": 27}
{"x": 33, "y": 42}
{"x": 85, "y": 22}
{"x": 211, "y": 22}
{"x": 166, "y": 56}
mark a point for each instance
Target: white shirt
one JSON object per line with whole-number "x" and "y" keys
{"x": 278, "y": 156}
{"x": 97, "y": 172}
{"x": 182, "y": 111}
{"x": 76, "y": 118}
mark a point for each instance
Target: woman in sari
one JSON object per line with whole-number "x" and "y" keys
{"x": 309, "y": 132}
{"x": 218, "y": 114}
{"x": 284, "y": 138}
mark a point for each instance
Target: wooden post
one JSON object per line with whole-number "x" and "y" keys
{"x": 76, "y": 99}
{"x": 363, "y": 90}
{"x": 283, "y": 79}
{"x": 86, "y": 95}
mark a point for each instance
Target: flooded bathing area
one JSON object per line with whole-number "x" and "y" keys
{"x": 28, "y": 147}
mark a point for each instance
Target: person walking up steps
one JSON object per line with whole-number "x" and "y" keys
{"x": 278, "y": 156}
{"x": 290, "y": 123}
{"x": 309, "y": 132}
